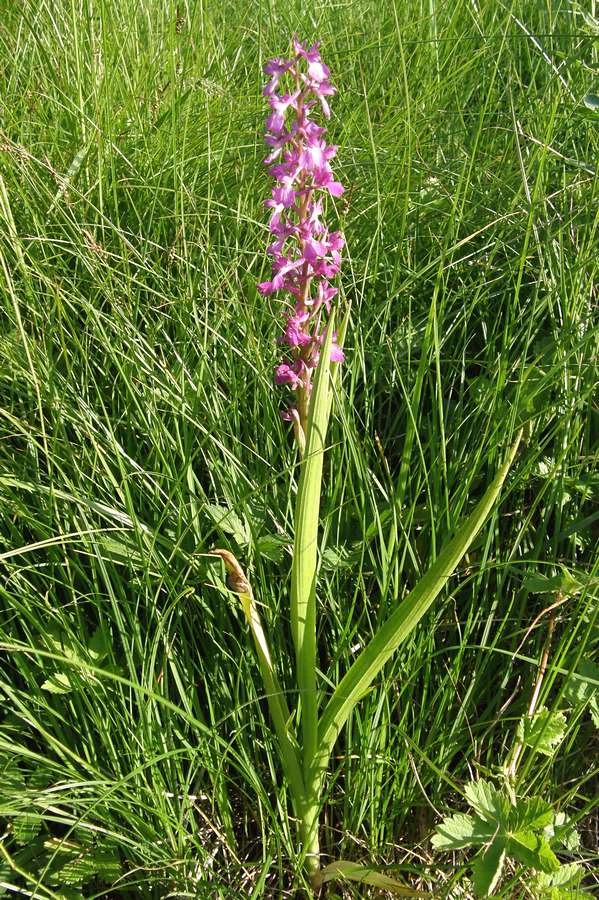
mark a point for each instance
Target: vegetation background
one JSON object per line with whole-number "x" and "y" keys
{"x": 139, "y": 427}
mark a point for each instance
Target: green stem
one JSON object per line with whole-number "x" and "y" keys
{"x": 303, "y": 595}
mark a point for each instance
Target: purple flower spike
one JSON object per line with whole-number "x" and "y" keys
{"x": 305, "y": 255}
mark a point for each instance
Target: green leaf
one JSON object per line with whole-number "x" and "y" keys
{"x": 99, "y": 645}
{"x": 563, "y": 884}
{"x": 305, "y": 562}
{"x": 532, "y": 850}
{"x": 543, "y": 732}
{"x": 86, "y": 864}
{"x": 488, "y": 802}
{"x": 591, "y": 101}
{"x": 487, "y": 868}
{"x": 562, "y": 832}
{"x": 531, "y": 812}
{"x": 59, "y": 683}
{"x": 344, "y": 870}
{"x": 26, "y": 827}
{"x": 401, "y": 623}
{"x": 228, "y": 522}
{"x": 582, "y": 687}
{"x": 108, "y": 866}
{"x": 272, "y": 546}
{"x": 564, "y": 583}
{"x": 461, "y": 830}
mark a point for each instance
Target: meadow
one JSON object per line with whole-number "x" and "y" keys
{"x": 140, "y": 428}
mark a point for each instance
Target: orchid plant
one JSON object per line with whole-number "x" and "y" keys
{"x": 306, "y": 256}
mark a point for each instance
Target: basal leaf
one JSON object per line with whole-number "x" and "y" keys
{"x": 403, "y": 619}
{"x": 543, "y": 732}
{"x": 99, "y": 645}
{"x": 487, "y": 868}
{"x": 272, "y": 546}
{"x": 461, "y": 830}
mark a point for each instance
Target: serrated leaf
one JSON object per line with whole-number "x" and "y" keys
{"x": 26, "y": 827}
{"x": 108, "y": 867}
{"x": 335, "y": 558}
{"x": 532, "y": 850}
{"x": 488, "y": 802}
{"x": 530, "y": 813}
{"x": 99, "y": 644}
{"x": 583, "y": 687}
{"x": 58, "y": 683}
{"x": 272, "y": 546}
{"x": 487, "y": 868}
{"x": 461, "y": 830}
{"x": 543, "y": 732}
{"x": 88, "y": 864}
{"x": 228, "y": 522}
{"x": 563, "y": 583}
{"x": 569, "y": 875}
{"x": 5, "y": 877}
{"x": 561, "y": 831}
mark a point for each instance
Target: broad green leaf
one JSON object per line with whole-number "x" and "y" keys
{"x": 402, "y": 622}
{"x": 26, "y": 827}
{"x": 488, "y": 802}
{"x": 543, "y": 732}
{"x": 344, "y": 870}
{"x": 87, "y": 864}
{"x": 563, "y": 884}
{"x": 461, "y": 830}
{"x": 59, "y": 683}
{"x": 568, "y": 875}
{"x": 487, "y": 868}
{"x": 228, "y": 522}
{"x": 272, "y": 546}
{"x": 531, "y": 812}
{"x": 583, "y": 687}
{"x": 561, "y": 831}
{"x": 532, "y": 850}
{"x": 564, "y": 583}
{"x": 591, "y": 101}
{"x": 99, "y": 645}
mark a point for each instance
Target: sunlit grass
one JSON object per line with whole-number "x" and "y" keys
{"x": 137, "y": 406}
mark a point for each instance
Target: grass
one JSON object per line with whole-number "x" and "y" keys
{"x": 137, "y": 411}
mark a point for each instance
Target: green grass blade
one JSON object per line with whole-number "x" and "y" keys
{"x": 399, "y": 625}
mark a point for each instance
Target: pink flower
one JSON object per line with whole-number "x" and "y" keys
{"x": 305, "y": 255}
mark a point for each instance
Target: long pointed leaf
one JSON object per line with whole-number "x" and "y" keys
{"x": 303, "y": 570}
{"x": 399, "y": 625}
